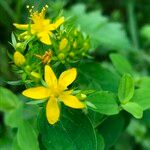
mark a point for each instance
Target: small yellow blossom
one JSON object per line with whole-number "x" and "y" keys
{"x": 56, "y": 91}
{"x": 19, "y": 59}
{"x": 40, "y": 26}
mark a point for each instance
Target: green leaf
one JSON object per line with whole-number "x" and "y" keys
{"x": 145, "y": 118}
{"x": 95, "y": 117}
{"x": 99, "y": 28}
{"x": 15, "y": 145}
{"x": 74, "y": 131}
{"x": 111, "y": 129}
{"x": 100, "y": 142}
{"x": 94, "y": 76}
{"x": 145, "y": 31}
{"x": 126, "y": 88}
{"x": 13, "y": 39}
{"x": 6, "y": 140}
{"x": 104, "y": 102}
{"x": 133, "y": 108}
{"x": 144, "y": 82}
{"x": 13, "y": 117}
{"x": 142, "y": 97}
{"x": 27, "y": 137}
{"x": 121, "y": 64}
{"x": 8, "y": 100}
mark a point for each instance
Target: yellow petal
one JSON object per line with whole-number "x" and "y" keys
{"x": 37, "y": 92}
{"x": 52, "y": 111}
{"x": 44, "y": 38}
{"x": 67, "y": 77}
{"x": 59, "y": 22}
{"x": 71, "y": 101}
{"x": 51, "y": 27}
{"x": 50, "y": 77}
{"x": 21, "y": 26}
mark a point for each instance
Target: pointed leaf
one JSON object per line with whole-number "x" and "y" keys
{"x": 8, "y": 100}
{"x": 121, "y": 64}
{"x": 126, "y": 88}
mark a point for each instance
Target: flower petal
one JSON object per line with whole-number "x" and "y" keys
{"x": 50, "y": 77}
{"x": 59, "y": 22}
{"x": 52, "y": 111}
{"x": 21, "y": 26}
{"x": 44, "y": 38}
{"x": 67, "y": 77}
{"x": 71, "y": 101}
{"x": 51, "y": 27}
{"x": 37, "y": 92}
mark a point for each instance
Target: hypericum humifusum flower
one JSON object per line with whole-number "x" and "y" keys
{"x": 56, "y": 92}
{"x": 19, "y": 59}
{"x": 40, "y": 26}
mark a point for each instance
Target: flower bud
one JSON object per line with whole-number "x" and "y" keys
{"x": 61, "y": 56}
{"x": 63, "y": 43}
{"x": 20, "y": 47}
{"x": 83, "y": 96}
{"x": 76, "y": 32}
{"x": 71, "y": 54}
{"x": 35, "y": 74}
{"x": 75, "y": 44}
{"x": 19, "y": 59}
{"x": 86, "y": 46}
{"x": 28, "y": 68}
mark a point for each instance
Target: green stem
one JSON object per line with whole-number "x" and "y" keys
{"x": 132, "y": 23}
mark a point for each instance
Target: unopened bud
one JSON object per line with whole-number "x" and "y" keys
{"x": 19, "y": 59}
{"x": 83, "y": 96}
{"x": 35, "y": 74}
{"x": 75, "y": 32}
{"x": 75, "y": 44}
{"x": 63, "y": 43}
{"x": 71, "y": 54}
{"x": 86, "y": 46}
{"x": 61, "y": 56}
{"x": 20, "y": 47}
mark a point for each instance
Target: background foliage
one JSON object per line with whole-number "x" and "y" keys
{"x": 114, "y": 26}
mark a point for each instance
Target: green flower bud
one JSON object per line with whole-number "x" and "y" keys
{"x": 20, "y": 47}
{"x": 71, "y": 54}
{"x": 35, "y": 74}
{"x": 75, "y": 44}
{"x": 86, "y": 46}
{"x": 61, "y": 56}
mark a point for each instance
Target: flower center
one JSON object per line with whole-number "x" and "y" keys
{"x": 40, "y": 25}
{"x": 56, "y": 91}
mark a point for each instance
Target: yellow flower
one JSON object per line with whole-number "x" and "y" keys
{"x": 40, "y": 26}
{"x": 56, "y": 91}
{"x": 19, "y": 59}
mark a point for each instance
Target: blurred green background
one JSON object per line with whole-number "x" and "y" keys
{"x": 124, "y": 26}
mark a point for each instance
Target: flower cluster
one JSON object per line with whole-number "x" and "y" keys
{"x": 41, "y": 46}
